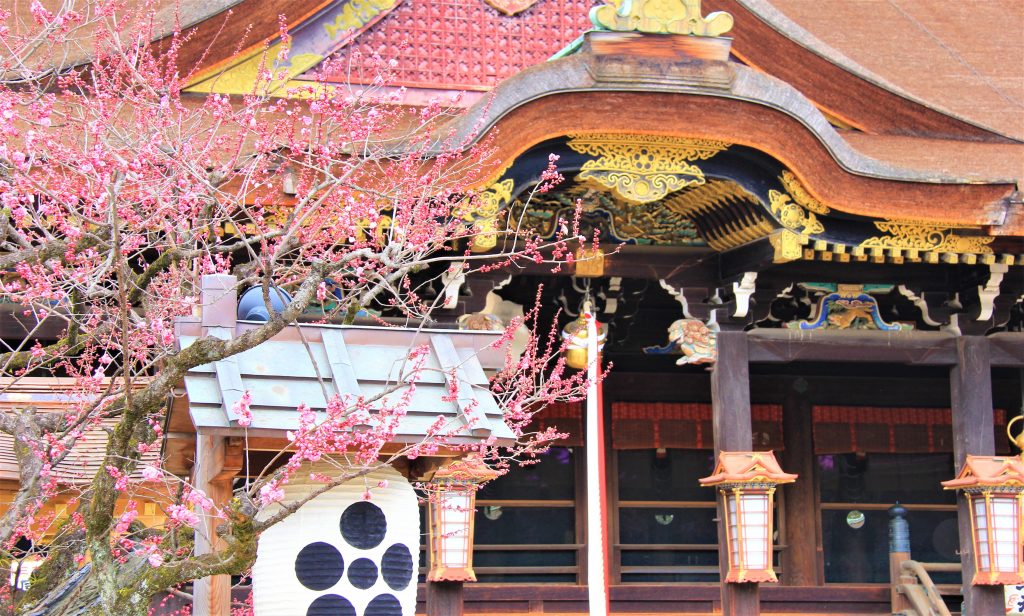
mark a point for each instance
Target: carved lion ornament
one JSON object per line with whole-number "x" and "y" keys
{"x": 696, "y": 340}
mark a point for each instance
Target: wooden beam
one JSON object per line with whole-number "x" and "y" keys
{"x": 800, "y": 563}
{"x": 752, "y": 257}
{"x": 973, "y": 434}
{"x": 1007, "y": 349}
{"x": 697, "y": 266}
{"x": 786, "y": 345}
{"x": 730, "y": 404}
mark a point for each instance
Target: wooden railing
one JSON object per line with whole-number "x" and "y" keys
{"x": 925, "y": 596}
{"x": 913, "y": 593}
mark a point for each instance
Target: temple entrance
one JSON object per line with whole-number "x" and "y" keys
{"x": 863, "y": 435}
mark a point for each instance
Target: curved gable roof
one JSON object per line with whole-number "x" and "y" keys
{"x": 964, "y": 59}
{"x": 923, "y": 67}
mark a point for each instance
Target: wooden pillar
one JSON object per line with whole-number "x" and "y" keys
{"x": 800, "y": 563}
{"x": 973, "y": 433}
{"x": 444, "y": 598}
{"x": 213, "y": 474}
{"x": 730, "y": 403}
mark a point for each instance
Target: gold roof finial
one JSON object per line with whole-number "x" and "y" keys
{"x": 660, "y": 17}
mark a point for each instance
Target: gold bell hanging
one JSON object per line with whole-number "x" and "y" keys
{"x": 575, "y": 336}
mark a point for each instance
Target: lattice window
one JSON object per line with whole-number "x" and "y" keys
{"x": 463, "y": 44}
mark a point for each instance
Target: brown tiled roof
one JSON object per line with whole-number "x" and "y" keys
{"x": 965, "y": 59}
{"x": 78, "y": 46}
{"x": 52, "y": 395}
{"x": 967, "y": 160}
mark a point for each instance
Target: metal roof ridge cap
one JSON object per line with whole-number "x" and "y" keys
{"x": 395, "y": 328}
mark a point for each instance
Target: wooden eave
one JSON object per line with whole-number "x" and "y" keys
{"x": 61, "y": 395}
{"x": 237, "y": 29}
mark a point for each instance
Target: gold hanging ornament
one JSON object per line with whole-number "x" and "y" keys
{"x": 575, "y": 335}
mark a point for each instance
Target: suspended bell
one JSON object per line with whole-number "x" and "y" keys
{"x": 575, "y": 336}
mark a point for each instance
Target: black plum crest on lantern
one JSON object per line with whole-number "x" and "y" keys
{"x": 320, "y": 566}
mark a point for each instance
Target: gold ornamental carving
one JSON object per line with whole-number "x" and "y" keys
{"x": 795, "y": 208}
{"x": 643, "y": 168}
{"x": 787, "y": 246}
{"x": 482, "y": 213}
{"x": 792, "y": 216}
{"x": 589, "y": 262}
{"x": 660, "y": 17}
{"x": 926, "y": 236}
{"x": 800, "y": 194}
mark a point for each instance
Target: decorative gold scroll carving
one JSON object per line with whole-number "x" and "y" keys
{"x": 589, "y": 262}
{"x": 800, "y": 194}
{"x": 792, "y": 216}
{"x": 660, "y": 17}
{"x": 922, "y": 235}
{"x": 482, "y": 213}
{"x": 788, "y": 246}
{"x": 643, "y": 168}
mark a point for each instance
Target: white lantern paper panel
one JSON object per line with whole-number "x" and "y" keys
{"x": 1014, "y": 596}
{"x": 340, "y": 555}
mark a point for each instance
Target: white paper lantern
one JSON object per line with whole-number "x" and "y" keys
{"x": 994, "y": 487}
{"x": 341, "y": 555}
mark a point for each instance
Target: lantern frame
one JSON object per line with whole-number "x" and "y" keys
{"x": 994, "y": 489}
{"x": 453, "y": 495}
{"x": 746, "y": 481}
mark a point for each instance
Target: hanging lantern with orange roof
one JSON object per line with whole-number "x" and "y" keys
{"x": 746, "y": 480}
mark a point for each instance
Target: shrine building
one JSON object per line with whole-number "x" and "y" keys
{"x": 810, "y": 222}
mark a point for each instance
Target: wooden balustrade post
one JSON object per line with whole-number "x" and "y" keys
{"x": 444, "y": 598}
{"x": 899, "y": 552}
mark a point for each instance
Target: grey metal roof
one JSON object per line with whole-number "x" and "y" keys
{"x": 311, "y": 363}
